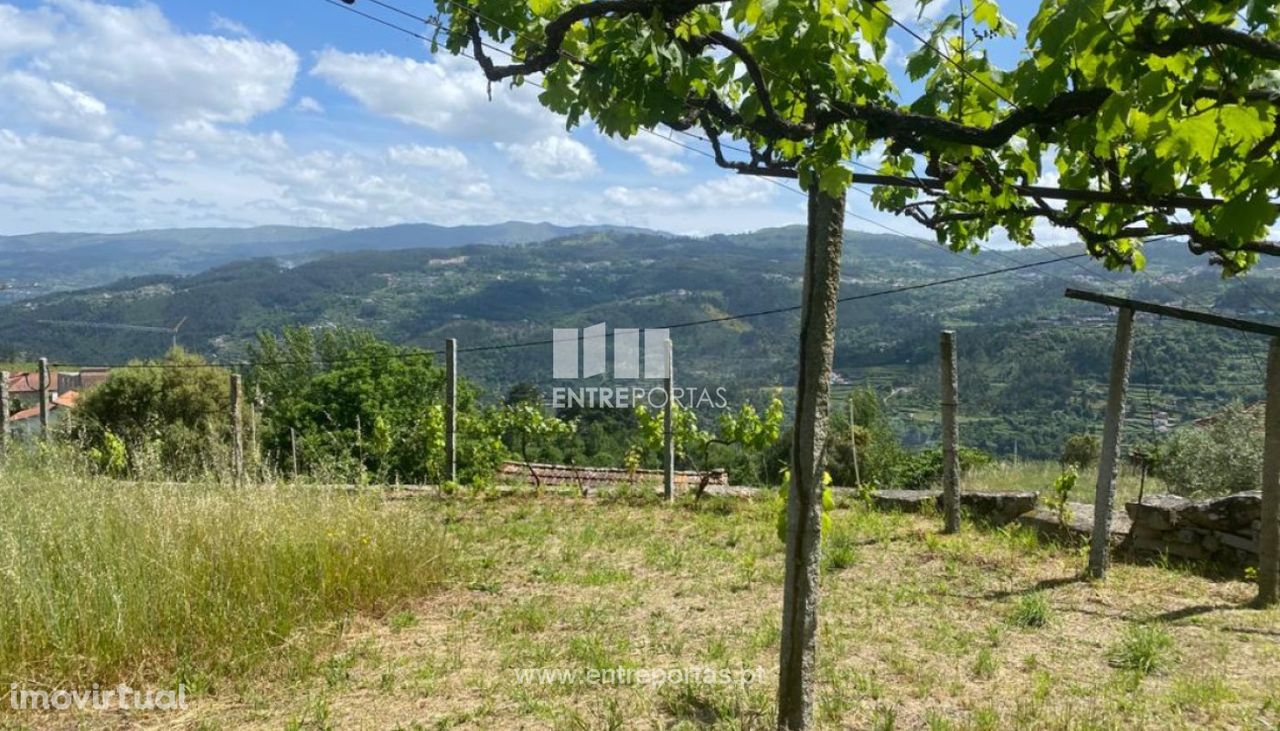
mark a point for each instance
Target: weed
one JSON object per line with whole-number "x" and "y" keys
{"x": 1145, "y": 649}
{"x": 1031, "y": 610}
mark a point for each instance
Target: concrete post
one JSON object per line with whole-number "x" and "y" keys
{"x": 451, "y": 410}
{"x": 4, "y": 411}
{"x": 44, "y": 398}
{"x": 668, "y": 431}
{"x": 237, "y": 433}
{"x": 1269, "y": 534}
{"x": 1104, "y": 497}
{"x": 950, "y": 435}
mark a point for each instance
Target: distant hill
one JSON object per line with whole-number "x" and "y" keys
{"x": 1032, "y": 363}
{"x": 40, "y": 263}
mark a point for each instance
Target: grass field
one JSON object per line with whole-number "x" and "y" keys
{"x": 1038, "y": 476}
{"x": 987, "y": 630}
{"x": 107, "y": 582}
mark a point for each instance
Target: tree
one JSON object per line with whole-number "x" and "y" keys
{"x": 169, "y": 416}
{"x": 357, "y": 407}
{"x": 1080, "y": 451}
{"x": 1223, "y": 457}
{"x": 1142, "y": 107}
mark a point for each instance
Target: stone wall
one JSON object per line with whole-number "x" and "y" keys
{"x": 1220, "y": 530}
{"x": 561, "y": 474}
{"x": 993, "y": 507}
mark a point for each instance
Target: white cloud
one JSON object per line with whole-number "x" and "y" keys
{"x": 553, "y": 158}
{"x": 733, "y": 191}
{"x": 908, "y": 11}
{"x": 640, "y": 197}
{"x": 448, "y": 95}
{"x": 22, "y": 31}
{"x": 659, "y": 156}
{"x": 55, "y": 106}
{"x": 423, "y": 156}
{"x": 227, "y": 25}
{"x": 132, "y": 55}
{"x": 308, "y": 105}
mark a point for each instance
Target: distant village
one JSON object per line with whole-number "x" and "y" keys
{"x": 64, "y": 391}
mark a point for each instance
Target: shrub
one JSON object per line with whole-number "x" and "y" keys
{"x": 1224, "y": 457}
{"x": 170, "y": 416}
{"x": 923, "y": 470}
{"x": 1080, "y": 451}
{"x": 879, "y": 452}
{"x": 359, "y": 409}
{"x": 1061, "y": 493}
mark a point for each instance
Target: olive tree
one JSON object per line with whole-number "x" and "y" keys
{"x": 1139, "y": 109}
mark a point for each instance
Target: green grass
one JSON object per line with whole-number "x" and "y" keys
{"x": 1145, "y": 649}
{"x": 1038, "y": 476}
{"x": 1031, "y": 610}
{"x": 918, "y": 629}
{"x": 111, "y": 582}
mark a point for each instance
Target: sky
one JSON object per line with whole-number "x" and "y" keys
{"x": 119, "y": 116}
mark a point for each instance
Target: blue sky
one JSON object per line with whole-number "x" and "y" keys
{"x": 128, "y": 115}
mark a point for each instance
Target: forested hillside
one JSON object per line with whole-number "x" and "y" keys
{"x": 35, "y": 264}
{"x": 1032, "y": 363}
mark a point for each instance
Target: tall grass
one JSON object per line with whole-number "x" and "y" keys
{"x": 107, "y": 581}
{"x": 1038, "y": 476}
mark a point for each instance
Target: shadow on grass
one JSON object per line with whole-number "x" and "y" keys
{"x": 1042, "y": 585}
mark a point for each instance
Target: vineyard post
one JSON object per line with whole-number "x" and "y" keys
{"x": 1269, "y": 535}
{"x": 451, "y": 410}
{"x": 237, "y": 434}
{"x": 853, "y": 443}
{"x": 4, "y": 412}
{"x": 1104, "y": 497}
{"x": 255, "y": 449}
{"x": 668, "y": 431}
{"x": 950, "y": 435}
{"x": 44, "y": 398}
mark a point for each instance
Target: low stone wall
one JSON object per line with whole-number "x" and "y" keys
{"x": 1078, "y": 528}
{"x": 561, "y": 474}
{"x": 993, "y": 507}
{"x": 1221, "y": 530}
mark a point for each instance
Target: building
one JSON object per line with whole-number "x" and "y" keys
{"x": 81, "y": 380}
{"x": 27, "y": 421}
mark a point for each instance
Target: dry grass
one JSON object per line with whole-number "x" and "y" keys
{"x": 918, "y": 631}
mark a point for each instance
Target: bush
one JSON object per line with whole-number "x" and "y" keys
{"x": 166, "y": 418}
{"x": 359, "y": 409}
{"x": 923, "y": 470}
{"x": 879, "y": 452}
{"x": 1223, "y": 458}
{"x": 1080, "y": 451}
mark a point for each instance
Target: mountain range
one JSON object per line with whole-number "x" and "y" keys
{"x": 40, "y": 263}
{"x": 1033, "y": 364}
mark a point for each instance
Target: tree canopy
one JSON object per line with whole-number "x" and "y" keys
{"x": 1137, "y": 108}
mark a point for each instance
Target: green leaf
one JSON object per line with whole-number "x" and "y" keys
{"x": 1245, "y": 217}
